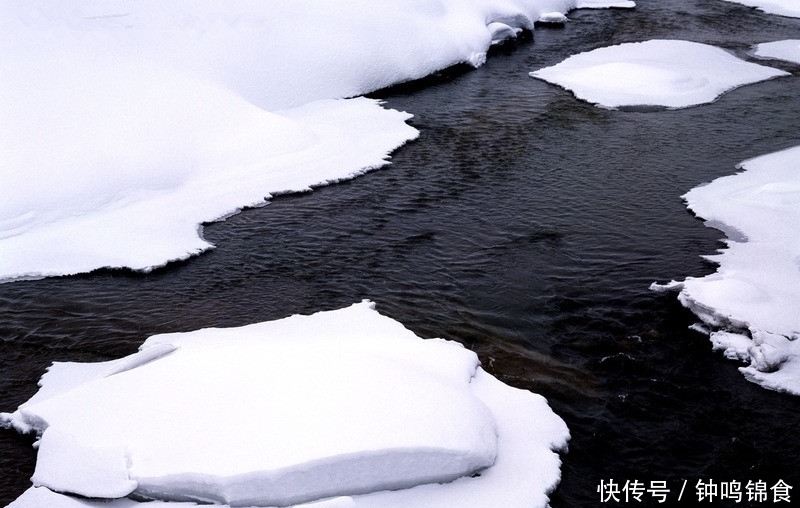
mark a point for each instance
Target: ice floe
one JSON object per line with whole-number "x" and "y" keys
{"x": 668, "y": 73}
{"x": 790, "y": 8}
{"x": 126, "y": 125}
{"x": 788, "y": 50}
{"x": 343, "y": 404}
{"x": 751, "y": 302}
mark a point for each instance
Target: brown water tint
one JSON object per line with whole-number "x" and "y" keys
{"x": 523, "y": 223}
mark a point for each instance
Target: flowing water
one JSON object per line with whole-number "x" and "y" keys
{"x": 523, "y": 223}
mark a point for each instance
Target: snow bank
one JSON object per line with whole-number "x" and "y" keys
{"x": 788, "y": 50}
{"x": 126, "y": 125}
{"x": 669, "y": 73}
{"x": 783, "y": 7}
{"x": 755, "y": 292}
{"x": 341, "y": 403}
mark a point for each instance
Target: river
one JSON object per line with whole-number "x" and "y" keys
{"x": 523, "y": 223}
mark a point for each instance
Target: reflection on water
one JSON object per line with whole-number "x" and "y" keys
{"x": 523, "y": 223}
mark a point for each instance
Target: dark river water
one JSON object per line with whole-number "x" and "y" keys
{"x": 523, "y": 223}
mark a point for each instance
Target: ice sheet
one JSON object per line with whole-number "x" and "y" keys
{"x": 338, "y": 404}
{"x": 668, "y": 73}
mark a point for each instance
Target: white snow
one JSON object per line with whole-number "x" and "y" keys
{"x": 126, "y": 125}
{"x": 788, "y": 50}
{"x": 669, "y": 73}
{"x": 789, "y": 8}
{"x": 553, "y": 18}
{"x": 755, "y": 292}
{"x": 342, "y": 404}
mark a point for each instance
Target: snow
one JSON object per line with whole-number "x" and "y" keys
{"x": 788, "y": 50}
{"x": 788, "y": 8}
{"x": 668, "y": 73}
{"x": 344, "y": 404}
{"x": 553, "y": 18}
{"x": 127, "y": 125}
{"x": 753, "y": 297}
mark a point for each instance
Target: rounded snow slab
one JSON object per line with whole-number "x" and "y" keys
{"x": 667, "y": 73}
{"x": 341, "y": 403}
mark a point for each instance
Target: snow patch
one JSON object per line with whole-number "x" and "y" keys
{"x": 788, "y": 50}
{"x": 668, "y": 73}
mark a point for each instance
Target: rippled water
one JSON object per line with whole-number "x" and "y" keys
{"x": 523, "y": 223}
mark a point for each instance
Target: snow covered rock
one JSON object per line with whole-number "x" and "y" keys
{"x": 339, "y": 403}
{"x": 668, "y": 73}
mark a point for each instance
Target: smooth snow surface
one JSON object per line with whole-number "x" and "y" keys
{"x": 788, "y": 50}
{"x": 669, "y": 73}
{"x": 754, "y": 297}
{"x": 789, "y": 8}
{"x": 343, "y": 403}
{"x": 126, "y": 125}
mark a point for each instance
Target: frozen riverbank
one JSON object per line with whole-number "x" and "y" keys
{"x": 187, "y": 112}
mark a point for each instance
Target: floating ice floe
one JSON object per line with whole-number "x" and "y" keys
{"x": 668, "y": 73}
{"x": 346, "y": 405}
{"x": 126, "y": 125}
{"x": 788, "y": 50}
{"x": 790, "y": 8}
{"x": 752, "y": 302}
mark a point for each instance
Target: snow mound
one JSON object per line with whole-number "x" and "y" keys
{"x": 788, "y": 50}
{"x": 755, "y": 292}
{"x": 788, "y": 8}
{"x": 339, "y": 404}
{"x": 668, "y": 73}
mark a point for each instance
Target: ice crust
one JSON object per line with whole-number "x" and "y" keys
{"x": 668, "y": 73}
{"x": 788, "y": 8}
{"x": 751, "y": 302}
{"x": 126, "y": 125}
{"x": 788, "y": 50}
{"x": 339, "y": 404}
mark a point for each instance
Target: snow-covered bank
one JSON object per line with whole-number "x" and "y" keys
{"x": 340, "y": 403}
{"x": 790, "y": 8}
{"x": 668, "y": 73}
{"x": 751, "y": 303}
{"x": 127, "y": 125}
{"x": 788, "y": 50}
